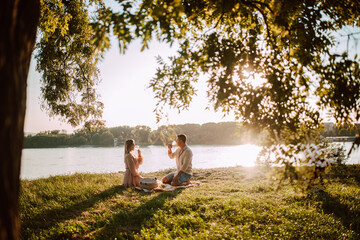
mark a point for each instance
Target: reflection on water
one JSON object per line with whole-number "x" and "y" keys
{"x": 38, "y": 163}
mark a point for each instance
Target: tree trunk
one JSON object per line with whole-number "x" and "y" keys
{"x": 18, "y": 25}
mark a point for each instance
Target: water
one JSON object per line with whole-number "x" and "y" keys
{"x": 37, "y": 163}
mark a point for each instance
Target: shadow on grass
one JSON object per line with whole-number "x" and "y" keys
{"x": 331, "y": 205}
{"x": 126, "y": 223}
{"x": 48, "y": 219}
{"x": 347, "y": 174}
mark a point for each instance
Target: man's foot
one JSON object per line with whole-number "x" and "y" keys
{"x": 173, "y": 183}
{"x": 165, "y": 180}
{"x": 185, "y": 183}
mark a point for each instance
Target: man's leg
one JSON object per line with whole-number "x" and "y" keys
{"x": 168, "y": 178}
{"x": 184, "y": 179}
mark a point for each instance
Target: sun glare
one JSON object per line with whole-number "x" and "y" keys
{"x": 249, "y": 77}
{"x": 242, "y": 155}
{"x": 255, "y": 79}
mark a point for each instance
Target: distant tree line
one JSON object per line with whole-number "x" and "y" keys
{"x": 330, "y": 130}
{"x": 58, "y": 138}
{"x": 223, "y": 133}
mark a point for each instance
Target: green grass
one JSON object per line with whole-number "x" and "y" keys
{"x": 230, "y": 203}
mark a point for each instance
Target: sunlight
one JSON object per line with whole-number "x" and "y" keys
{"x": 240, "y": 155}
{"x": 249, "y": 153}
{"x": 255, "y": 79}
{"x": 248, "y": 76}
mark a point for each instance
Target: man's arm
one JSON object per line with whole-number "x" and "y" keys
{"x": 171, "y": 154}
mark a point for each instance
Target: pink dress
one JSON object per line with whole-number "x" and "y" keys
{"x": 132, "y": 176}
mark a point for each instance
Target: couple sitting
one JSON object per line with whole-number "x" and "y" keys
{"x": 182, "y": 154}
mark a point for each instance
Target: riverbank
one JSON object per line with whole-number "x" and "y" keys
{"x": 230, "y": 203}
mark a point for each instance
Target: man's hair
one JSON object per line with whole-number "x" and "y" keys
{"x": 182, "y": 137}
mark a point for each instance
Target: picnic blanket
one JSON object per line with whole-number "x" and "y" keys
{"x": 167, "y": 187}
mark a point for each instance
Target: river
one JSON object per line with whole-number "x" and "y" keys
{"x": 45, "y": 162}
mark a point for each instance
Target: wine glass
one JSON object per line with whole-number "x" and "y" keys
{"x": 173, "y": 143}
{"x": 136, "y": 149}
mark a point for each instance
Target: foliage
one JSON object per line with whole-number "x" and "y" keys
{"x": 74, "y": 35}
{"x": 98, "y": 138}
{"x": 302, "y": 165}
{"x": 230, "y": 203}
{"x": 330, "y": 130}
{"x": 106, "y": 138}
{"x": 67, "y": 58}
{"x": 45, "y": 141}
{"x": 78, "y": 141}
{"x": 339, "y": 88}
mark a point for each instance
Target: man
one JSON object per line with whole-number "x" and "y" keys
{"x": 183, "y": 155}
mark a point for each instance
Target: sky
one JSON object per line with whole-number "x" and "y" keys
{"x": 124, "y": 92}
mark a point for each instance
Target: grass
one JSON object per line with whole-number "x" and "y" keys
{"x": 230, "y": 203}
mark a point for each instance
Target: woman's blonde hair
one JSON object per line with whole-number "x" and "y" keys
{"x": 128, "y": 145}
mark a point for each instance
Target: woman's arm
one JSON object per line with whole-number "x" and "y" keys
{"x": 140, "y": 158}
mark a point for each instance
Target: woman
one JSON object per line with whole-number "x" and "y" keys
{"x": 132, "y": 163}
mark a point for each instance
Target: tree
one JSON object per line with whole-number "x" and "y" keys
{"x": 107, "y": 139}
{"x": 65, "y": 42}
{"x": 66, "y": 56}
{"x": 141, "y": 134}
{"x": 78, "y": 140}
{"x": 104, "y": 138}
{"x": 55, "y": 132}
{"x": 284, "y": 42}
{"x": 123, "y": 133}
{"x": 17, "y": 38}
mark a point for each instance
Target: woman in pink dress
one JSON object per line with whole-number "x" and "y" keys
{"x": 132, "y": 163}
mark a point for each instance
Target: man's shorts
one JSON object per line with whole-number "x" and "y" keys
{"x": 183, "y": 177}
